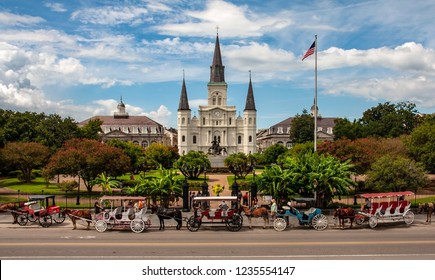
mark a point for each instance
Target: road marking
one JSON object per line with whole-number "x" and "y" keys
{"x": 204, "y": 244}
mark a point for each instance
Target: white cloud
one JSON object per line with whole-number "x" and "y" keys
{"x": 233, "y": 21}
{"x": 8, "y": 19}
{"x": 112, "y": 15}
{"x": 56, "y": 7}
{"x": 162, "y": 115}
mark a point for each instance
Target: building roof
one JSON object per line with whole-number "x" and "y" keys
{"x": 131, "y": 120}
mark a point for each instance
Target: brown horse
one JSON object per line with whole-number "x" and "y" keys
{"x": 255, "y": 212}
{"x": 429, "y": 208}
{"x": 343, "y": 214}
{"x": 12, "y": 208}
{"x": 75, "y": 215}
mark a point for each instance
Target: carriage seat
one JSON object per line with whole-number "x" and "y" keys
{"x": 117, "y": 213}
{"x": 310, "y": 211}
{"x": 129, "y": 214}
{"x": 140, "y": 214}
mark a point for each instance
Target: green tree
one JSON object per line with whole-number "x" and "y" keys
{"x": 25, "y": 157}
{"x": 91, "y": 130}
{"x": 396, "y": 174}
{"x": 53, "y": 131}
{"x": 240, "y": 164}
{"x": 275, "y": 181}
{"x": 320, "y": 175}
{"x": 344, "y": 129}
{"x": 87, "y": 159}
{"x": 158, "y": 154}
{"x": 164, "y": 186}
{"x": 272, "y": 153}
{"x": 421, "y": 143}
{"x": 389, "y": 120}
{"x": 133, "y": 151}
{"x": 107, "y": 183}
{"x": 192, "y": 164}
{"x": 302, "y": 128}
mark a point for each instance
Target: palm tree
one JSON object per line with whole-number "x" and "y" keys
{"x": 107, "y": 183}
{"x": 165, "y": 186}
{"x": 276, "y": 182}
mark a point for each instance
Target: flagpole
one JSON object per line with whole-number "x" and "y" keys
{"x": 315, "y": 94}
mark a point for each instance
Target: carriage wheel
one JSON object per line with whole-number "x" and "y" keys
{"x": 373, "y": 222}
{"x": 279, "y": 224}
{"x": 359, "y": 220}
{"x": 408, "y": 217}
{"x": 319, "y": 222}
{"x": 235, "y": 223}
{"x": 22, "y": 219}
{"x": 137, "y": 225}
{"x": 31, "y": 217}
{"x": 59, "y": 218}
{"x": 45, "y": 220}
{"x": 193, "y": 224}
{"x": 101, "y": 226}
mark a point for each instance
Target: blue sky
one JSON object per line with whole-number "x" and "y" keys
{"x": 77, "y": 58}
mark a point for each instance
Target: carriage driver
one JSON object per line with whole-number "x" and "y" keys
{"x": 367, "y": 205}
{"x": 97, "y": 207}
{"x": 224, "y": 207}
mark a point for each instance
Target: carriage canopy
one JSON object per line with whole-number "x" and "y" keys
{"x": 387, "y": 194}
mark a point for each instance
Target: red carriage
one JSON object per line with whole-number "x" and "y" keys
{"x": 41, "y": 208}
{"x": 386, "y": 207}
{"x": 205, "y": 214}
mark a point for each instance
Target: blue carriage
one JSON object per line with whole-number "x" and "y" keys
{"x": 312, "y": 217}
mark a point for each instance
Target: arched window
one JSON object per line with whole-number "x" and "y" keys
{"x": 183, "y": 138}
{"x": 250, "y": 139}
{"x": 239, "y": 139}
{"x": 194, "y": 139}
{"x": 183, "y": 120}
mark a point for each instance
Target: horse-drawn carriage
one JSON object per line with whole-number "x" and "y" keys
{"x": 387, "y": 207}
{"x": 312, "y": 217}
{"x": 41, "y": 208}
{"x": 206, "y": 214}
{"x": 123, "y": 214}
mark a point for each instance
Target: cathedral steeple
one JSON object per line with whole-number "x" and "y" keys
{"x": 250, "y": 102}
{"x": 184, "y": 102}
{"x": 217, "y": 74}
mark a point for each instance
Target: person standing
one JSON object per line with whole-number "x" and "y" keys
{"x": 273, "y": 209}
{"x": 245, "y": 198}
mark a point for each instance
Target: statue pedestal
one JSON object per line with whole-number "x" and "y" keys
{"x": 216, "y": 161}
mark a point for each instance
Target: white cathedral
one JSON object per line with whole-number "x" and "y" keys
{"x": 217, "y": 122}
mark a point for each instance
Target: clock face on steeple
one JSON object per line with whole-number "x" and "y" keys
{"x": 217, "y": 113}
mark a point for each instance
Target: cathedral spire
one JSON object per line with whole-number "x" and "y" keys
{"x": 250, "y": 102}
{"x": 184, "y": 102}
{"x": 217, "y": 74}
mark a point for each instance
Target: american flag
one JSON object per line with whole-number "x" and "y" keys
{"x": 310, "y": 51}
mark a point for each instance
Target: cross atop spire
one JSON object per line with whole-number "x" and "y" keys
{"x": 217, "y": 30}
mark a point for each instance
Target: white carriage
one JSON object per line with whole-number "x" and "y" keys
{"x": 124, "y": 212}
{"x": 385, "y": 208}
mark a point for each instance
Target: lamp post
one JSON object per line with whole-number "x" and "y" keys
{"x": 186, "y": 205}
{"x": 78, "y": 190}
{"x": 253, "y": 187}
{"x": 315, "y": 184}
{"x": 234, "y": 186}
{"x": 204, "y": 184}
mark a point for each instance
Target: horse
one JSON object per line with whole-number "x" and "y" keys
{"x": 429, "y": 208}
{"x": 75, "y": 215}
{"x": 345, "y": 213}
{"x": 12, "y": 208}
{"x": 166, "y": 214}
{"x": 255, "y": 212}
